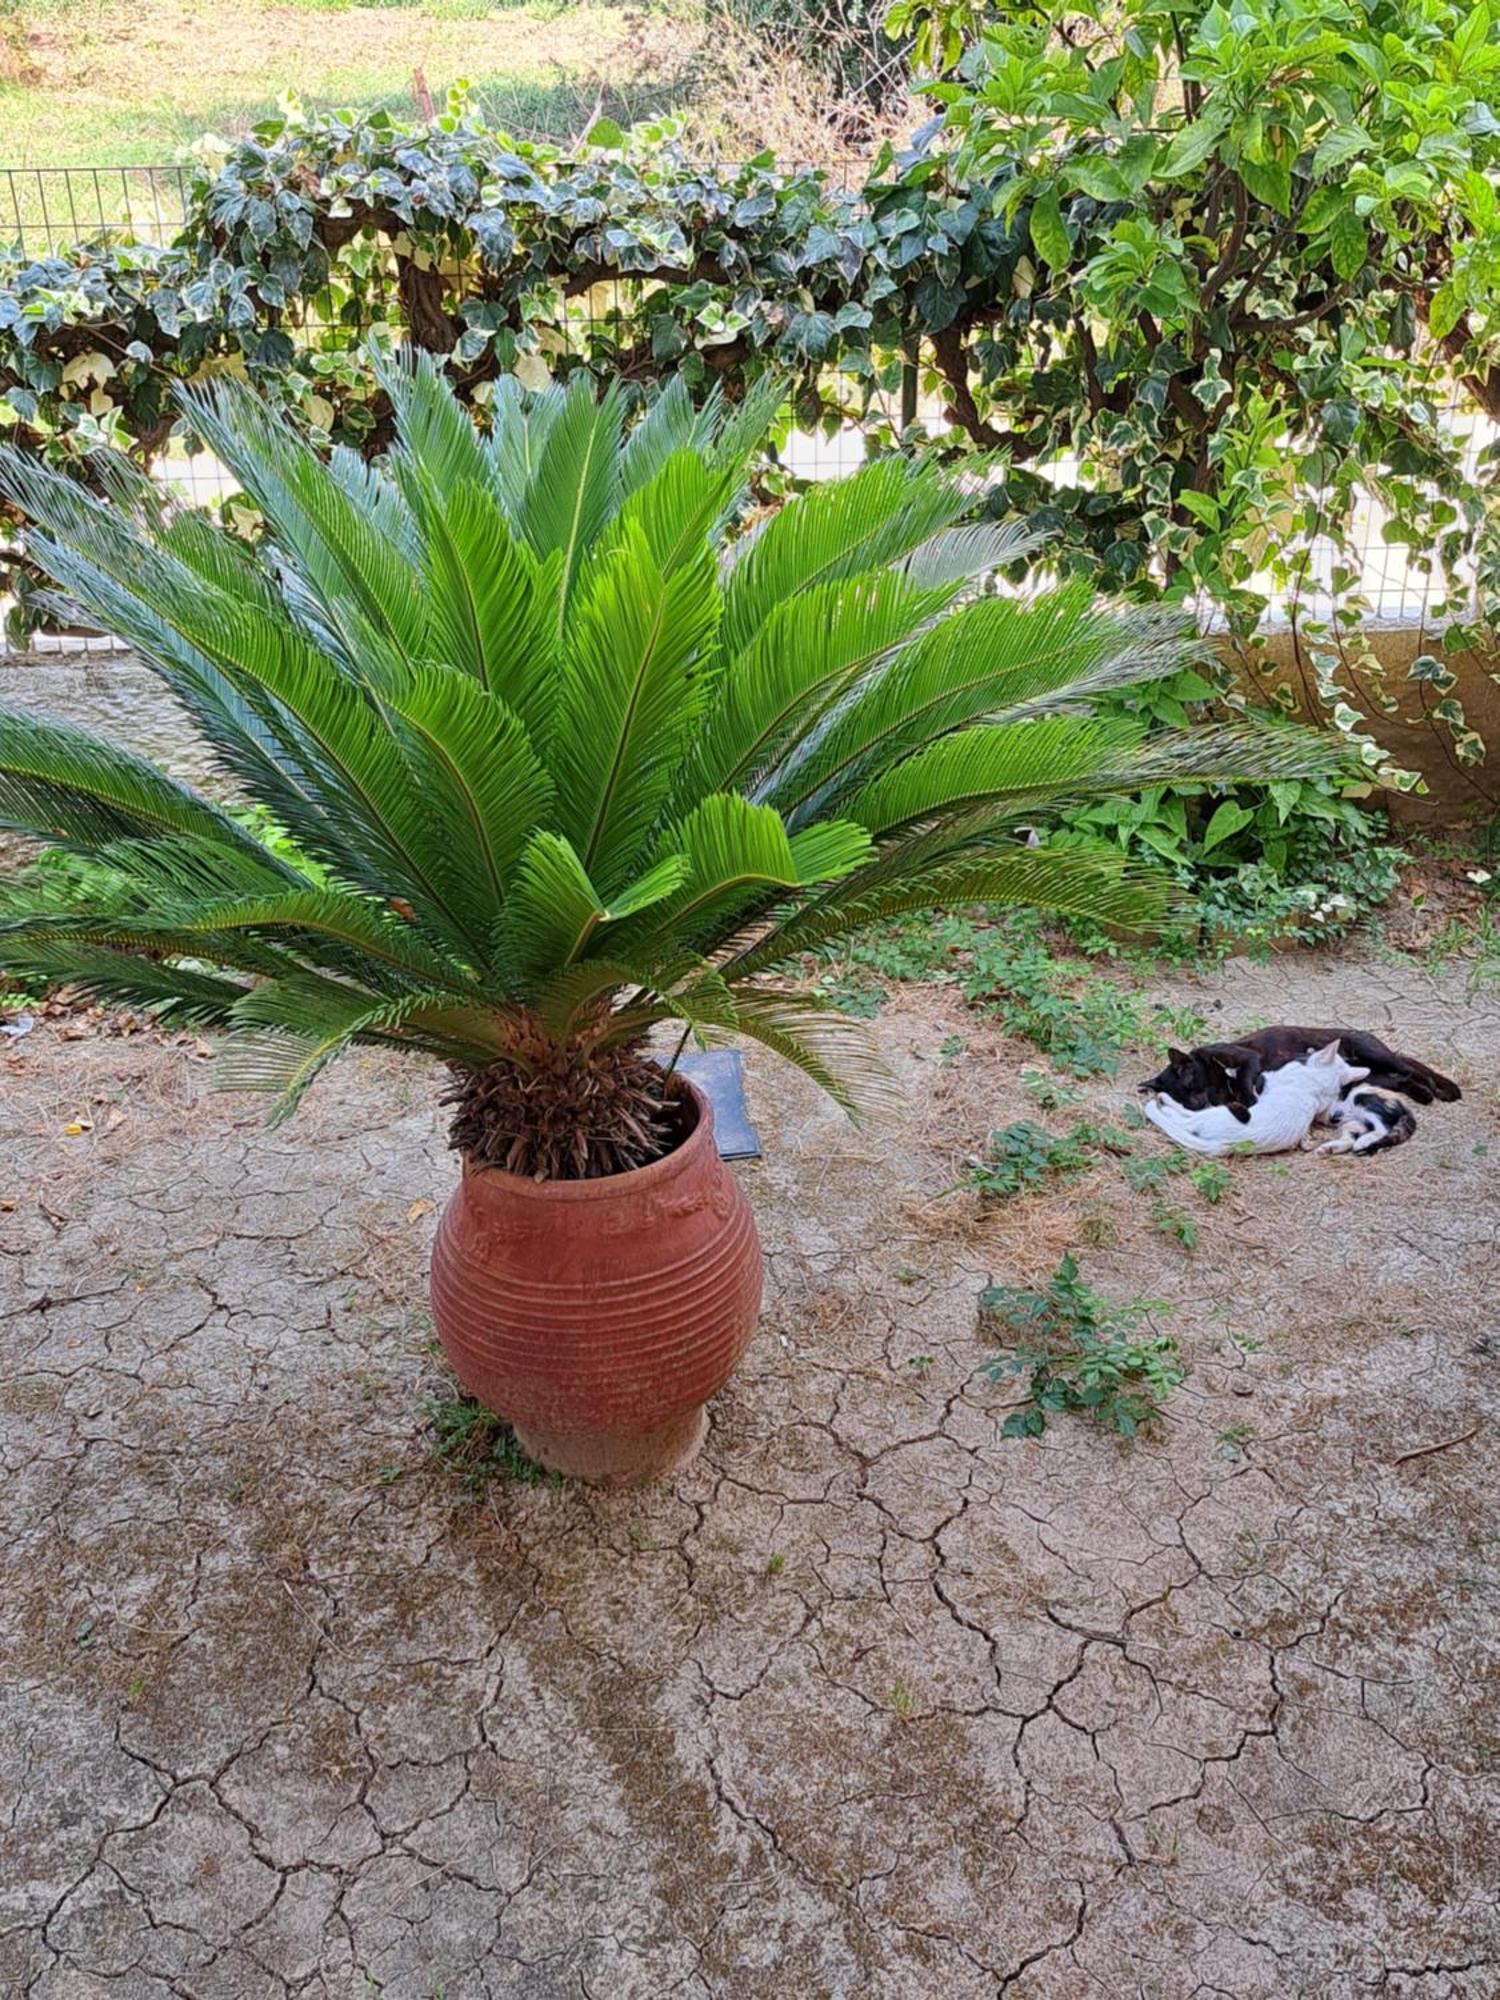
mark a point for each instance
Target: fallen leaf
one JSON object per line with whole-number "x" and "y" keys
{"x": 77, "y": 1125}
{"x": 115, "y": 1119}
{"x": 417, "y": 1210}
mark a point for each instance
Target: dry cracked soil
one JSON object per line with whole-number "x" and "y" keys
{"x": 868, "y": 1702}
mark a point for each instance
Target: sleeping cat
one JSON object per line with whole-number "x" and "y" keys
{"x": 1365, "y": 1122}
{"x": 1292, "y": 1099}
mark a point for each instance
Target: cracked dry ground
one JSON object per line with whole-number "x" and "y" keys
{"x": 288, "y": 1711}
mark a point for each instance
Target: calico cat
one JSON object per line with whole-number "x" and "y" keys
{"x": 1231, "y": 1073}
{"x": 1366, "y": 1121}
{"x": 1292, "y": 1100}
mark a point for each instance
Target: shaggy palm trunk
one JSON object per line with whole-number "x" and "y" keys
{"x": 566, "y": 1113}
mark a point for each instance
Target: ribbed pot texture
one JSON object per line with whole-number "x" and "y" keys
{"x": 598, "y": 1317}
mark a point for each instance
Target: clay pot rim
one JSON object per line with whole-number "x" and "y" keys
{"x": 609, "y": 1186}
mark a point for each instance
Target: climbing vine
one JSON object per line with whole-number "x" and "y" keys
{"x": 1190, "y": 283}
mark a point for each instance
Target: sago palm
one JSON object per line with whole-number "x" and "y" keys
{"x": 562, "y": 760}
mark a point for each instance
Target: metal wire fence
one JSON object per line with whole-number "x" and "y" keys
{"x": 45, "y": 210}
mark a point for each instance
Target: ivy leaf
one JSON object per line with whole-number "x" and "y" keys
{"x": 605, "y": 134}
{"x": 1050, "y": 233}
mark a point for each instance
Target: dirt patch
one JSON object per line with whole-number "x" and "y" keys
{"x": 868, "y": 1702}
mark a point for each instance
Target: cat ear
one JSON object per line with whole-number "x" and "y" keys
{"x": 1177, "y": 1058}
{"x": 1326, "y": 1057}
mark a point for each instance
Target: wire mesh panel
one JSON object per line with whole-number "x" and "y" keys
{"x": 45, "y": 210}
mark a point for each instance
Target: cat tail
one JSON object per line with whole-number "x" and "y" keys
{"x": 1180, "y": 1126}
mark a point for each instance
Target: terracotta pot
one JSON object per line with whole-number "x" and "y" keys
{"x": 600, "y": 1316}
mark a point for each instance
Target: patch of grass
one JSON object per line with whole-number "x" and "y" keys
{"x": 901, "y": 1701}
{"x": 479, "y": 1445}
{"x": 106, "y": 84}
{"x": 1011, "y": 971}
{"x": 1080, "y": 1351}
{"x": 1020, "y": 1158}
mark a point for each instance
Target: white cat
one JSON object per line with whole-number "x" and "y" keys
{"x": 1292, "y": 1099}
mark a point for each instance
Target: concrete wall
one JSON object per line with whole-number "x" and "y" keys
{"x": 1456, "y": 793}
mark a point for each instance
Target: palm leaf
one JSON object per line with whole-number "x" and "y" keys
{"x": 363, "y": 594}
{"x": 575, "y": 487}
{"x": 828, "y": 1047}
{"x": 482, "y": 784}
{"x": 493, "y": 604}
{"x": 848, "y": 527}
{"x": 629, "y": 700}
{"x": 997, "y": 659}
{"x": 64, "y": 785}
{"x": 177, "y": 994}
{"x": 554, "y": 909}
{"x": 1102, "y": 888}
{"x": 809, "y": 652}
{"x": 1042, "y": 763}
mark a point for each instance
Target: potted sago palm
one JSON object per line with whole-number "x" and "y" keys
{"x": 564, "y": 760}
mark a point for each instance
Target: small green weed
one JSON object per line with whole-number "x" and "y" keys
{"x": 1212, "y": 1179}
{"x": 480, "y": 1445}
{"x": 1020, "y": 1158}
{"x": 1176, "y": 1223}
{"x": 1049, "y": 1093}
{"x": 1081, "y": 1352}
{"x": 1149, "y": 1172}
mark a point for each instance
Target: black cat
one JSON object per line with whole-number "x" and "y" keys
{"x": 1229, "y": 1073}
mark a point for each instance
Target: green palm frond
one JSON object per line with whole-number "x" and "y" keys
{"x": 997, "y": 660}
{"x": 483, "y": 786}
{"x": 828, "y": 1047}
{"x": 175, "y": 994}
{"x": 850, "y": 527}
{"x": 493, "y": 602}
{"x": 575, "y": 486}
{"x": 350, "y": 578}
{"x": 551, "y": 763}
{"x": 809, "y": 652}
{"x": 631, "y": 694}
{"x": 64, "y": 785}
